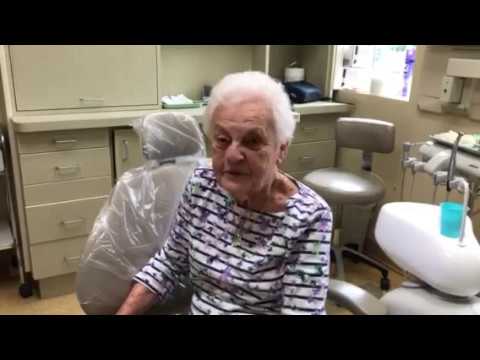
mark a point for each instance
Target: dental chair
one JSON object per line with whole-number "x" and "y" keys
{"x": 348, "y": 191}
{"x": 134, "y": 223}
{"x": 443, "y": 273}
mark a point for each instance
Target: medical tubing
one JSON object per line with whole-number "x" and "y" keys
{"x": 466, "y": 193}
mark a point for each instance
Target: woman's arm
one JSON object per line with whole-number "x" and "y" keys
{"x": 166, "y": 268}
{"x": 138, "y": 301}
{"x": 305, "y": 284}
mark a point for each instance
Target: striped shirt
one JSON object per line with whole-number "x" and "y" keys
{"x": 241, "y": 261}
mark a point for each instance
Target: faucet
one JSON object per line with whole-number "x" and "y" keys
{"x": 452, "y": 163}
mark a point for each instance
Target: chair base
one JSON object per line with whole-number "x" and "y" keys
{"x": 338, "y": 251}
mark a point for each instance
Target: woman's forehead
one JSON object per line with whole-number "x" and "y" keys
{"x": 252, "y": 114}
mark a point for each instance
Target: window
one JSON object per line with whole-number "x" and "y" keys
{"x": 383, "y": 70}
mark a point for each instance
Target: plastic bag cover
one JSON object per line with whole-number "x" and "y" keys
{"x": 134, "y": 222}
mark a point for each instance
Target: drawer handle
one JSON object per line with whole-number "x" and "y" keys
{"x": 72, "y": 222}
{"x": 125, "y": 150}
{"x": 306, "y": 158}
{"x": 87, "y": 99}
{"x": 307, "y": 129}
{"x": 63, "y": 142}
{"x": 70, "y": 259}
{"x": 67, "y": 169}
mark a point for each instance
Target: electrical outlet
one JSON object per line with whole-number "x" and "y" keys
{"x": 451, "y": 91}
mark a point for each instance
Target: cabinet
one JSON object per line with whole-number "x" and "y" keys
{"x": 66, "y": 179}
{"x": 128, "y": 151}
{"x": 315, "y": 59}
{"x": 313, "y": 145}
{"x": 83, "y": 76}
{"x": 50, "y": 78}
{"x": 187, "y": 68}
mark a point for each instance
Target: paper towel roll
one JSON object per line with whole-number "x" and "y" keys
{"x": 293, "y": 74}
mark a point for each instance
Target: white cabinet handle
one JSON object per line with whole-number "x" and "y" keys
{"x": 87, "y": 99}
{"x": 63, "y": 142}
{"x": 73, "y": 222}
{"x": 308, "y": 129}
{"x": 125, "y": 150}
{"x": 64, "y": 170}
{"x": 306, "y": 158}
{"x": 71, "y": 259}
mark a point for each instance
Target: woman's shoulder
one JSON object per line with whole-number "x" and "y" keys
{"x": 309, "y": 201}
{"x": 202, "y": 177}
{"x": 202, "y": 173}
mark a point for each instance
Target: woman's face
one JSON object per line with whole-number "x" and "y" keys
{"x": 245, "y": 148}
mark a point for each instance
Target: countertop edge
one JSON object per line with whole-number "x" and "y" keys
{"x": 76, "y": 121}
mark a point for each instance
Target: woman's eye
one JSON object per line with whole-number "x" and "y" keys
{"x": 221, "y": 140}
{"x": 253, "y": 142}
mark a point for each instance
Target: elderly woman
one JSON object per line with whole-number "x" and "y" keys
{"x": 248, "y": 237}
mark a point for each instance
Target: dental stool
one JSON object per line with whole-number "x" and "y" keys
{"x": 355, "y": 193}
{"x": 134, "y": 223}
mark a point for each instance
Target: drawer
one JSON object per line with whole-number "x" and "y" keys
{"x": 67, "y": 190}
{"x": 65, "y": 165}
{"x": 62, "y": 220}
{"x": 30, "y": 143}
{"x": 315, "y": 128}
{"x": 309, "y": 156}
{"x": 57, "y": 258}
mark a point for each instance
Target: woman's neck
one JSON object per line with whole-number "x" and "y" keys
{"x": 272, "y": 197}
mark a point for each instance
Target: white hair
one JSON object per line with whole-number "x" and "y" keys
{"x": 241, "y": 86}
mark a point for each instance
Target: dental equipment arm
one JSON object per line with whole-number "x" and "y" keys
{"x": 354, "y": 299}
{"x": 409, "y": 162}
{"x": 452, "y": 163}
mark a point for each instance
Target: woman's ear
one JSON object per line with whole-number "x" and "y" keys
{"x": 283, "y": 153}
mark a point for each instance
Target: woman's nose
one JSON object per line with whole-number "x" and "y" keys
{"x": 234, "y": 153}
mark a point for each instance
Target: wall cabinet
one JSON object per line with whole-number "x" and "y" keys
{"x": 315, "y": 59}
{"x": 83, "y": 76}
{"x": 75, "y": 77}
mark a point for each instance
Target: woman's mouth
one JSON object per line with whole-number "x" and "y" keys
{"x": 235, "y": 173}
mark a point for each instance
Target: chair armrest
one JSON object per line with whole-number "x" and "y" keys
{"x": 355, "y": 299}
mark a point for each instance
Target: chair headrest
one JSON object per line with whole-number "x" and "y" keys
{"x": 169, "y": 136}
{"x": 369, "y": 135}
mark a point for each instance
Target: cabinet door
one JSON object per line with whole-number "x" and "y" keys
{"x": 128, "y": 151}
{"x": 83, "y": 76}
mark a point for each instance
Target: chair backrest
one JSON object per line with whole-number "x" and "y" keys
{"x": 135, "y": 221}
{"x": 369, "y": 135}
{"x": 374, "y": 136}
{"x": 169, "y": 136}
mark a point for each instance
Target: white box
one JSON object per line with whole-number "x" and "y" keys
{"x": 452, "y": 88}
{"x": 464, "y": 68}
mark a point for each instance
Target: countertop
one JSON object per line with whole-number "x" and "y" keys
{"x": 36, "y": 123}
